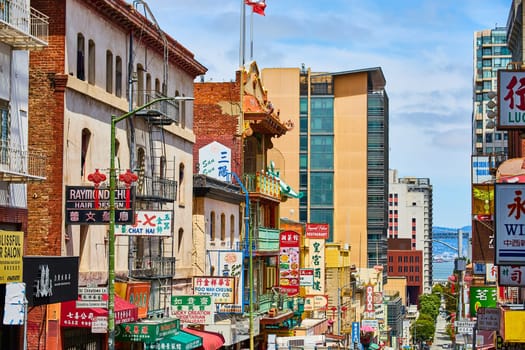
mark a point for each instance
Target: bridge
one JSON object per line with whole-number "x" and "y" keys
{"x": 449, "y": 233}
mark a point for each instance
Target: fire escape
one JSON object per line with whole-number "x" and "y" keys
{"x": 151, "y": 258}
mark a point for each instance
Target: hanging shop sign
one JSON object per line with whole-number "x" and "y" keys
{"x": 230, "y": 264}
{"x": 488, "y": 319}
{"x": 317, "y": 231}
{"x": 317, "y": 234}
{"x": 482, "y": 296}
{"x": 50, "y": 279}
{"x": 222, "y": 289}
{"x": 192, "y": 309}
{"x": 11, "y": 253}
{"x": 509, "y": 226}
{"x": 147, "y": 331}
{"x": 511, "y": 100}
{"x": 90, "y": 206}
{"x": 315, "y": 302}
{"x": 215, "y": 161}
{"x": 148, "y": 223}
{"x": 289, "y": 262}
{"x": 511, "y": 276}
{"x": 306, "y": 277}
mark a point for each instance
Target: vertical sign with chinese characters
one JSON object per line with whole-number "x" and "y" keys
{"x": 511, "y": 99}
{"x": 482, "y": 296}
{"x": 509, "y": 227}
{"x": 289, "y": 262}
{"x": 317, "y": 234}
{"x": 215, "y": 161}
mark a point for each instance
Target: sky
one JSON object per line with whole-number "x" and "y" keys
{"x": 424, "y": 47}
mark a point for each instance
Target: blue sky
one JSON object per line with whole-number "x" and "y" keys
{"x": 424, "y": 47}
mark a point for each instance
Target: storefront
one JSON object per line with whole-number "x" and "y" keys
{"x": 86, "y": 327}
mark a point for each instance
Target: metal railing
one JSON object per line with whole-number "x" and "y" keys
{"x": 26, "y": 19}
{"x": 14, "y": 160}
{"x": 156, "y": 188}
{"x": 161, "y": 110}
{"x": 262, "y": 184}
{"x": 152, "y": 267}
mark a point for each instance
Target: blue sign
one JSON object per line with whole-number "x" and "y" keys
{"x": 355, "y": 332}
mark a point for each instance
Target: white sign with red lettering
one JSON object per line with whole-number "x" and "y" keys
{"x": 511, "y": 99}
{"x": 509, "y": 206}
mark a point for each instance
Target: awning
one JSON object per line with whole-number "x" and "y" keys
{"x": 71, "y": 316}
{"x": 210, "y": 340}
{"x": 180, "y": 341}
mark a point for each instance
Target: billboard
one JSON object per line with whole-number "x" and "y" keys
{"x": 148, "y": 223}
{"x": 289, "y": 262}
{"x": 511, "y": 275}
{"x": 11, "y": 253}
{"x": 215, "y": 161}
{"x": 511, "y": 100}
{"x": 509, "y": 227}
{"x": 89, "y": 206}
{"x": 482, "y": 296}
{"x": 50, "y": 279}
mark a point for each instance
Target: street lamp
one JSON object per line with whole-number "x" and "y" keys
{"x": 111, "y": 238}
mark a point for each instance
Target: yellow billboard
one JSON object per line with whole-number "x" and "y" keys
{"x": 11, "y": 254}
{"x": 514, "y": 326}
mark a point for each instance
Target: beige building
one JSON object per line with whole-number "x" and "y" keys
{"x": 337, "y": 154}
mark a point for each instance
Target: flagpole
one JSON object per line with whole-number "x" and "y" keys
{"x": 251, "y": 36}
{"x": 242, "y": 39}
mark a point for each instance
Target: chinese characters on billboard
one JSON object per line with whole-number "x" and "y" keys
{"x": 510, "y": 212}
{"x": 317, "y": 234}
{"x": 289, "y": 262}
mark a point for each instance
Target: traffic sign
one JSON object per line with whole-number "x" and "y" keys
{"x": 83, "y": 304}
{"x": 355, "y": 332}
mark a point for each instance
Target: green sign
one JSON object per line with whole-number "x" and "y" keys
{"x": 482, "y": 296}
{"x": 147, "y": 331}
{"x": 191, "y": 302}
{"x": 179, "y": 341}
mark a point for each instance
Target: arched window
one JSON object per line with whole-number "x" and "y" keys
{"x": 91, "y": 62}
{"x": 118, "y": 76}
{"x": 232, "y": 230}
{"x": 109, "y": 71}
{"x": 140, "y": 85}
{"x": 141, "y": 170}
{"x": 181, "y": 184}
{"x": 81, "y": 56}
{"x": 180, "y": 238}
{"x": 223, "y": 227}
{"x": 86, "y": 138}
{"x": 148, "y": 93}
{"x": 157, "y": 86}
{"x": 212, "y": 226}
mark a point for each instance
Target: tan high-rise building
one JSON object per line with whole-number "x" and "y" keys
{"x": 336, "y": 154}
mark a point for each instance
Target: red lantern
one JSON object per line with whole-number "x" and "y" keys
{"x": 128, "y": 178}
{"x": 96, "y": 177}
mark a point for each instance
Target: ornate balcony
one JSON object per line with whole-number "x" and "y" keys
{"x": 19, "y": 165}
{"x": 22, "y": 27}
{"x": 152, "y": 267}
{"x": 262, "y": 186}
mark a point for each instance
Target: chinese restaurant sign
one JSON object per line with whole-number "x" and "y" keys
{"x": 482, "y": 296}
{"x": 147, "y": 331}
{"x": 511, "y": 275}
{"x": 511, "y": 100}
{"x": 194, "y": 309}
{"x": 147, "y": 223}
{"x": 230, "y": 264}
{"x": 83, "y": 206}
{"x": 509, "y": 226}
{"x": 222, "y": 289}
{"x": 317, "y": 233}
{"x": 11, "y": 253}
{"x": 289, "y": 262}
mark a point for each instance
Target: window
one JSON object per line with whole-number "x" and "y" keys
{"x": 321, "y": 190}
{"x": 81, "y": 56}
{"x": 181, "y": 184}
{"x": 148, "y": 91}
{"x": 223, "y": 227}
{"x": 232, "y": 230}
{"x": 180, "y": 238}
{"x": 109, "y": 71}
{"x": 91, "y": 62}
{"x": 212, "y": 226}
{"x": 86, "y": 137}
{"x": 140, "y": 85}
{"x": 118, "y": 76}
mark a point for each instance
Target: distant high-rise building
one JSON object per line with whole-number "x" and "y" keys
{"x": 410, "y": 217}
{"x": 336, "y": 155}
{"x": 490, "y": 55}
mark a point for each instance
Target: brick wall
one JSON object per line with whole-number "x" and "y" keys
{"x": 46, "y": 132}
{"x": 216, "y": 118}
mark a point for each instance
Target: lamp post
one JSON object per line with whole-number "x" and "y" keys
{"x": 250, "y": 253}
{"x": 111, "y": 235}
